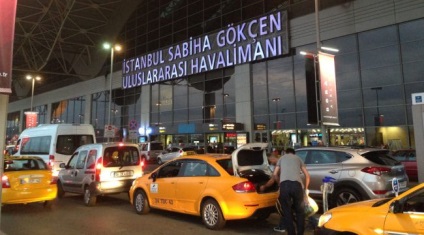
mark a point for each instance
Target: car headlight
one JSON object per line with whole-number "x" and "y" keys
{"x": 323, "y": 219}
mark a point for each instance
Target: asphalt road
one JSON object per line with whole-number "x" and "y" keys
{"x": 114, "y": 215}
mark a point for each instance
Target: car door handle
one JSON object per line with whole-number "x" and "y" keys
{"x": 334, "y": 171}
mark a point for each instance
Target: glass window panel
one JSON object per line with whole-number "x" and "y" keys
{"x": 380, "y": 57}
{"x": 391, "y": 116}
{"x": 180, "y": 115}
{"x": 260, "y": 92}
{"x": 302, "y": 120}
{"x": 195, "y": 115}
{"x": 412, "y": 31}
{"x": 390, "y": 95}
{"x": 286, "y": 95}
{"x": 349, "y": 80}
{"x": 413, "y": 72}
{"x": 413, "y": 51}
{"x": 300, "y": 89}
{"x": 382, "y": 76}
{"x": 165, "y": 100}
{"x": 288, "y": 121}
{"x": 166, "y": 117}
{"x": 258, "y": 74}
{"x": 260, "y": 106}
{"x": 349, "y": 98}
{"x": 195, "y": 100}
{"x": 350, "y": 117}
{"x": 346, "y": 44}
{"x": 264, "y": 119}
{"x": 377, "y": 38}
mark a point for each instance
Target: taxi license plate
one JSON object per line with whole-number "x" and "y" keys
{"x": 123, "y": 173}
{"x": 30, "y": 181}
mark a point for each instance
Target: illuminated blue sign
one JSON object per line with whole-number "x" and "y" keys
{"x": 255, "y": 40}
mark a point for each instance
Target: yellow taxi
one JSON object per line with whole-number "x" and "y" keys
{"x": 403, "y": 214}
{"x": 215, "y": 187}
{"x": 27, "y": 180}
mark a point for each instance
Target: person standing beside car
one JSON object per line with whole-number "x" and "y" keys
{"x": 292, "y": 192}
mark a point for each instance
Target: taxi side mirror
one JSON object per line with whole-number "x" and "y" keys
{"x": 153, "y": 176}
{"x": 395, "y": 207}
{"x": 62, "y": 165}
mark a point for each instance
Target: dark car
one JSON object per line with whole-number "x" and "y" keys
{"x": 409, "y": 160}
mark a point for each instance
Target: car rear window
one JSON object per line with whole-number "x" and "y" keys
{"x": 250, "y": 157}
{"x": 156, "y": 146}
{"x": 227, "y": 165}
{"x": 381, "y": 158}
{"x": 121, "y": 156}
{"x": 189, "y": 149}
{"x": 24, "y": 164}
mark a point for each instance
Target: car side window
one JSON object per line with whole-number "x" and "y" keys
{"x": 323, "y": 157}
{"x": 82, "y": 156}
{"x": 302, "y": 155}
{"x": 194, "y": 168}
{"x": 415, "y": 203}
{"x": 91, "y": 159}
{"x": 73, "y": 161}
{"x": 170, "y": 170}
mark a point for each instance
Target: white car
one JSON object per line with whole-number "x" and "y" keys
{"x": 100, "y": 169}
{"x": 174, "y": 152}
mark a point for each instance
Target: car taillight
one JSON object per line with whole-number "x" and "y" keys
{"x": 376, "y": 170}
{"x": 5, "y": 182}
{"x": 142, "y": 164}
{"x": 244, "y": 187}
{"x": 98, "y": 168}
{"x": 51, "y": 161}
{"x": 53, "y": 180}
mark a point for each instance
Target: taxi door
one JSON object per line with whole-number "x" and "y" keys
{"x": 191, "y": 185}
{"x": 411, "y": 219}
{"x": 162, "y": 190}
{"x": 66, "y": 175}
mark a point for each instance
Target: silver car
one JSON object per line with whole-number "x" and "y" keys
{"x": 175, "y": 152}
{"x": 358, "y": 173}
{"x": 100, "y": 169}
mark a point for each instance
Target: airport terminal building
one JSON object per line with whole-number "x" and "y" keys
{"x": 200, "y": 72}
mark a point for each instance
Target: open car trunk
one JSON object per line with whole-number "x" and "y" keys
{"x": 250, "y": 161}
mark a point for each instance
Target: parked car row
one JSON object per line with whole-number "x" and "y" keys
{"x": 216, "y": 187}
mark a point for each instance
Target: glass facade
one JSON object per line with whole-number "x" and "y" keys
{"x": 376, "y": 73}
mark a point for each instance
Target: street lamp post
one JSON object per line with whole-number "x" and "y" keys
{"x": 33, "y": 78}
{"x": 276, "y": 100}
{"x": 112, "y": 49}
{"x": 376, "y": 89}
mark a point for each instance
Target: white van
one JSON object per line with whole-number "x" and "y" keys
{"x": 55, "y": 143}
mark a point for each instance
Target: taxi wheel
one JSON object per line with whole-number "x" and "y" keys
{"x": 212, "y": 215}
{"x": 141, "y": 205}
{"x": 342, "y": 196}
{"x": 89, "y": 198}
{"x": 60, "y": 191}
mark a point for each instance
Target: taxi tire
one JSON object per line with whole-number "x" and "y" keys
{"x": 60, "y": 191}
{"x": 212, "y": 215}
{"x": 90, "y": 199}
{"x": 141, "y": 204}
